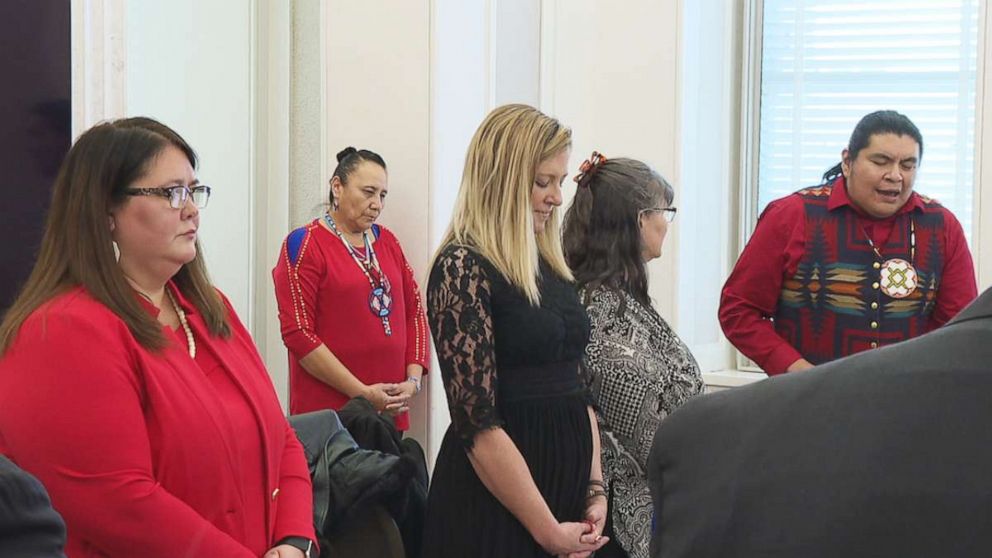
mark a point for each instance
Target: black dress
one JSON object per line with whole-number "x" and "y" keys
{"x": 505, "y": 364}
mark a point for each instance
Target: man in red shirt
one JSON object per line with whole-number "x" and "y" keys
{"x": 858, "y": 262}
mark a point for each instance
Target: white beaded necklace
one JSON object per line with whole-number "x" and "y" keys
{"x": 190, "y": 342}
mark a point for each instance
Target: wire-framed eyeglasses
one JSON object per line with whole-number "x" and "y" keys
{"x": 177, "y": 195}
{"x": 668, "y": 212}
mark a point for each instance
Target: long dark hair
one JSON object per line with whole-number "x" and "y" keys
{"x": 878, "y": 122}
{"x": 602, "y": 231}
{"x": 77, "y": 250}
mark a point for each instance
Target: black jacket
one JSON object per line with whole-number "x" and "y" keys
{"x": 374, "y": 431}
{"x": 29, "y": 526}
{"x": 346, "y": 478}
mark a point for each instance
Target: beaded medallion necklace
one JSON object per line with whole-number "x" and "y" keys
{"x": 898, "y": 278}
{"x": 380, "y": 296}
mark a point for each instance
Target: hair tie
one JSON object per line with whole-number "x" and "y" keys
{"x": 589, "y": 168}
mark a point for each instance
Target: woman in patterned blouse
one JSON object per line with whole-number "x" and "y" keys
{"x": 637, "y": 368}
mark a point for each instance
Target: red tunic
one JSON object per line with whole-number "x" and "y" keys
{"x": 323, "y": 297}
{"x": 151, "y": 454}
{"x": 751, "y": 296}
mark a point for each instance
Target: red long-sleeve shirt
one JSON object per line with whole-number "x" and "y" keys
{"x": 323, "y": 297}
{"x": 751, "y": 294}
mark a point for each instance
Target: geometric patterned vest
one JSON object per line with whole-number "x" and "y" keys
{"x": 833, "y": 307}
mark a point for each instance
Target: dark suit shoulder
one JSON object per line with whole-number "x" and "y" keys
{"x": 29, "y": 526}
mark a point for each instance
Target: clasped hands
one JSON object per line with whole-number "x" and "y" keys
{"x": 390, "y": 399}
{"x": 579, "y": 539}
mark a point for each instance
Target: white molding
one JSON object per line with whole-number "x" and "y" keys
{"x": 982, "y": 200}
{"x": 270, "y": 187}
{"x": 255, "y": 37}
{"x": 747, "y": 191}
{"x": 99, "y": 58}
{"x": 675, "y": 263}
{"x": 325, "y": 192}
{"x": 732, "y": 378}
{"x": 750, "y": 115}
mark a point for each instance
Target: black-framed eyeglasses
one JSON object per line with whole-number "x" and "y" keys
{"x": 177, "y": 195}
{"x": 668, "y": 212}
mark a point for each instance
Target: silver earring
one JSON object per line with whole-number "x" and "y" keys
{"x": 117, "y": 251}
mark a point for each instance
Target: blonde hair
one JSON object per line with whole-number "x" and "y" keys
{"x": 493, "y": 212}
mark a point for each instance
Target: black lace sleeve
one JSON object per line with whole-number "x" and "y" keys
{"x": 458, "y": 305}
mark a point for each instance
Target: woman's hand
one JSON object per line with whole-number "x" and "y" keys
{"x": 596, "y": 509}
{"x": 384, "y": 397}
{"x": 572, "y": 539}
{"x": 596, "y": 513}
{"x": 284, "y": 551}
{"x": 405, "y": 391}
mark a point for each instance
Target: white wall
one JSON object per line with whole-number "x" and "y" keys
{"x": 612, "y": 75}
{"x": 514, "y": 37}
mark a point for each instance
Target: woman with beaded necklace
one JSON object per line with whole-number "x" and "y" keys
{"x": 128, "y": 385}
{"x": 350, "y": 309}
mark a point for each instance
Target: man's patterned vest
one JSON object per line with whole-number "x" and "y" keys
{"x": 832, "y": 306}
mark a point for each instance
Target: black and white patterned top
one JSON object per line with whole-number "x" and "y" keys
{"x": 638, "y": 371}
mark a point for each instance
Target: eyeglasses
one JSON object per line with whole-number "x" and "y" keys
{"x": 669, "y": 212}
{"x": 177, "y": 195}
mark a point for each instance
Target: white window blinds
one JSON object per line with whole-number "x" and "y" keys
{"x": 825, "y": 64}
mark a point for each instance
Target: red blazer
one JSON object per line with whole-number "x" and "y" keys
{"x": 133, "y": 446}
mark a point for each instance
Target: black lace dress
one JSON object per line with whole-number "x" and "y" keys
{"x": 505, "y": 364}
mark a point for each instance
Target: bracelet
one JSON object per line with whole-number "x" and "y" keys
{"x": 598, "y": 483}
{"x": 594, "y": 493}
{"x": 416, "y": 382}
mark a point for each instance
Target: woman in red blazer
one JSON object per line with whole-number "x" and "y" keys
{"x": 128, "y": 385}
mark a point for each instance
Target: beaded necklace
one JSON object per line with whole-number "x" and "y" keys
{"x": 190, "y": 342}
{"x": 380, "y": 296}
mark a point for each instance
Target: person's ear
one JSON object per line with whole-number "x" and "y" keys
{"x": 336, "y": 187}
{"x": 111, "y": 222}
{"x": 845, "y": 162}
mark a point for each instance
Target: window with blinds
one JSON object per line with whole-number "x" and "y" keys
{"x": 827, "y": 63}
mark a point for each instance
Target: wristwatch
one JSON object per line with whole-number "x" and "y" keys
{"x": 416, "y": 382}
{"x": 303, "y": 543}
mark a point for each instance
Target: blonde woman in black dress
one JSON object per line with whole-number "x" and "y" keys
{"x": 519, "y": 470}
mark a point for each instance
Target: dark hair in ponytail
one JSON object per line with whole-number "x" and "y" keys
{"x": 348, "y": 160}
{"x": 878, "y": 122}
{"x": 602, "y": 230}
